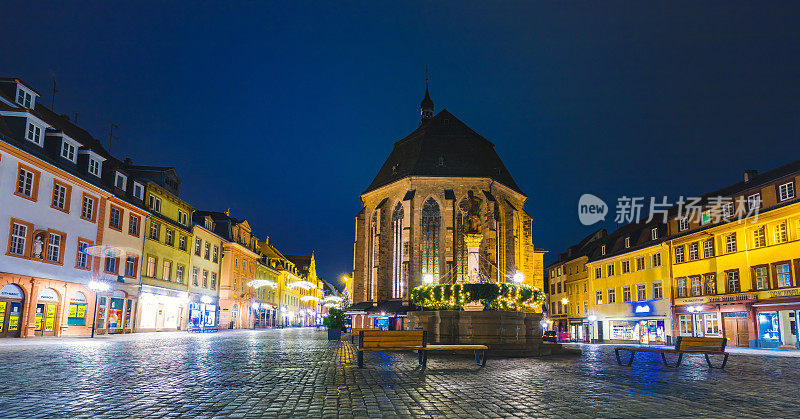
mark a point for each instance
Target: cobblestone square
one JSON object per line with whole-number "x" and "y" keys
{"x": 297, "y": 372}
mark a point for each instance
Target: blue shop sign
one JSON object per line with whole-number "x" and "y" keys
{"x": 642, "y": 308}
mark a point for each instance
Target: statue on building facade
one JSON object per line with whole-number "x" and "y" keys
{"x": 474, "y": 213}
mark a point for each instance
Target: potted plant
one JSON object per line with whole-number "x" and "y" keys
{"x": 334, "y": 321}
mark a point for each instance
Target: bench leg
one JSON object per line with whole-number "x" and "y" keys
{"x": 360, "y": 359}
{"x": 419, "y": 357}
{"x": 616, "y": 353}
{"x": 482, "y": 357}
{"x": 677, "y": 364}
{"x": 424, "y": 359}
{"x": 630, "y": 361}
{"x": 724, "y": 361}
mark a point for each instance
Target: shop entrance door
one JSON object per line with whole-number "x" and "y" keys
{"x": 45, "y": 322}
{"x": 160, "y": 317}
{"x": 736, "y": 330}
{"x": 10, "y": 317}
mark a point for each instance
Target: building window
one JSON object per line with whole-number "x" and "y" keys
{"x": 681, "y": 287}
{"x": 730, "y": 243}
{"x": 683, "y": 224}
{"x": 612, "y": 296}
{"x": 626, "y": 266}
{"x": 656, "y": 260}
{"x": 397, "y": 252}
{"x": 24, "y": 98}
{"x": 627, "y": 242}
{"x": 138, "y": 190}
{"x": 87, "y": 208}
{"x": 759, "y": 237}
{"x": 762, "y": 277}
{"x": 654, "y": 233}
{"x": 658, "y": 291}
{"x": 786, "y": 191}
{"x": 705, "y": 217}
{"x": 213, "y": 280}
{"x": 195, "y": 274}
{"x": 111, "y": 265}
{"x": 679, "y": 254}
{"x": 166, "y": 274}
{"x": 151, "y": 267}
{"x": 599, "y": 297}
{"x": 697, "y": 286}
{"x": 559, "y": 288}
{"x": 179, "y": 274}
{"x": 182, "y": 243}
{"x": 155, "y": 230}
{"x": 754, "y": 202}
{"x": 641, "y": 292}
{"x": 183, "y": 218}
{"x": 154, "y": 203}
{"x": 711, "y": 283}
{"x": 727, "y": 210}
{"x": 640, "y": 263}
{"x": 207, "y": 252}
{"x": 54, "y": 248}
{"x": 603, "y": 250}
{"x": 708, "y": 248}
{"x": 26, "y": 183}
{"x": 215, "y": 257}
{"x": 68, "y": 151}
{"x": 198, "y": 246}
{"x": 120, "y": 181}
{"x": 780, "y": 233}
{"x": 205, "y": 279}
{"x": 733, "y": 282}
{"x": 169, "y": 239}
{"x": 94, "y": 166}
{"x": 82, "y": 259}
{"x": 130, "y": 266}
{"x": 115, "y": 219}
{"x": 430, "y": 239}
{"x": 34, "y": 134}
{"x": 610, "y": 269}
{"x": 626, "y": 294}
{"x": 783, "y": 275}
{"x": 133, "y": 225}
{"x": 693, "y": 253}
{"x": 598, "y": 272}
{"x": 60, "y": 197}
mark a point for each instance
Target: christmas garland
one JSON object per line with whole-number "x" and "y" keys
{"x": 493, "y": 296}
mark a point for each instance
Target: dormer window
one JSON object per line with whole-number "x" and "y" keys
{"x": 120, "y": 181}
{"x": 155, "y": 203}
{"x": 209, "y": 224}
{"x": 603, "y": 250}
{"x": 627, "y": 242}
{"x": 25, "y": 97}
{"x": 34, "y": 133}
{"x": 138, "y": 190}
{"x": 68, "y": 151}
{"x": 94, "y": 166}
{"x": 182, "y": 217}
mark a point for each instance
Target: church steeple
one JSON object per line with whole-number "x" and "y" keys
{"x": 426, "y": 107}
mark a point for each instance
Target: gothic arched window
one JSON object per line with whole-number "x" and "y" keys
{"x": 461, "y": 244}
{"x": 430, "y": 239}
{"x": 397, "y": 255}
{"x": 373, "y": 257}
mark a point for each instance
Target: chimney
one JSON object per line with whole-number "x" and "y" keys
{"x": 128, "y": 161}
{"x": 750, "y": 174}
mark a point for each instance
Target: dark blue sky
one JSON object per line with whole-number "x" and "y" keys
{"x": 285, "y": 111}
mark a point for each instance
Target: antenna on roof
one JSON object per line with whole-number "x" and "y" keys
{"x": 53, "y": 101}
{"x": 110, "y": 132}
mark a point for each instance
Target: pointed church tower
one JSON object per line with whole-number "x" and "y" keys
{"x": 426, "y": 107}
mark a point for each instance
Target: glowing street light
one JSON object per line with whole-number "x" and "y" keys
{"x": 428, "y": 279}
{"x": 564, "y": 301}
{"x": 206, "y": 299}
{"x": 519, "y": 277}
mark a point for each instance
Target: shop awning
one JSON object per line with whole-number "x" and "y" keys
{"x": 358, "y": 308}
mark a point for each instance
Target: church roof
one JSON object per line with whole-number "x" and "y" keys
{"x": 446, "y": 147}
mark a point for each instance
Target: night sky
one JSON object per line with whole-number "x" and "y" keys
{"x": 284, "y": 112}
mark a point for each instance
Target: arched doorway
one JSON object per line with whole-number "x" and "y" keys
{"x": 12, "y": 300}
{"x": 46, "y": 311}
{"x": 234, "y": 315}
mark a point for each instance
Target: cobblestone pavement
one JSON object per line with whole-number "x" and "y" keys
{"x": 292, "y": 372}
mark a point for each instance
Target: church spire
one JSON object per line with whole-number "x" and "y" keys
{"x": 426, "y": 107}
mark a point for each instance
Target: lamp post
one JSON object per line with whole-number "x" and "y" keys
{"x": 97, "y": 286}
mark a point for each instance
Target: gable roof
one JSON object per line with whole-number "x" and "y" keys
{"x": 443, "y": 146}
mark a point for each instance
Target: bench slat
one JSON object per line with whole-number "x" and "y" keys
{"x": 455, "y": 347}
{"x": 391, "y": 338}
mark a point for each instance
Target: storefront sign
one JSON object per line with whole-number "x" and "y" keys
{"x": 642, "y": 309}
{"x": 49, "y": 323}
{"x": 11, "y": 291}
{"x": 48, "y": 294}
{"x": 784, "y": 293}
{"x": 77, "y": 297}
{"x": 2, "y": 314}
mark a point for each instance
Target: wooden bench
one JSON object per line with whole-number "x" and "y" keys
{"x": 409, "y": 340}
{"x": 683, "y": 345}
{"x": 354, "y": 331}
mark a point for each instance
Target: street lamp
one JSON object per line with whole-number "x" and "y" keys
{"x": 97, "y": 286}
{"x": 519, "y": 277}
{"x": 428, "y": 279}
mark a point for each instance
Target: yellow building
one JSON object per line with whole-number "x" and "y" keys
{"x": 568, "y": 294}
{"x": 312, "y": 293}
{"x": 735, "y": 276}
{"x": 267, "y": 297}
{"x": 287, "y": 292}
{"x": 629, "y": 286}
{"x": 166, "y": 259}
